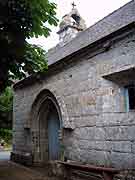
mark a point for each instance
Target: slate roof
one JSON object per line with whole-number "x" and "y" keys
{"x": 111, "y": 23}
{"x": 108, "y": 25}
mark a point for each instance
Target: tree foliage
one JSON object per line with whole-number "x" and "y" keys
{"x": 6, "y": 108}
{"x": 6, "y": 135}
{"x": 21, "y": 19}
{"x": 6, "y": 100}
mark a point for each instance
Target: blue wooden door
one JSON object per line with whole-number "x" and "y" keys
{"x": 53, "y": 135}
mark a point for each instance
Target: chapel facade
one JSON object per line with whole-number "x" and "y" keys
{"x": 83, "y": 108}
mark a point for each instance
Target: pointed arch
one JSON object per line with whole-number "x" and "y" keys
{"x": 58, "y": 102}
{"x": 39, "y": 123}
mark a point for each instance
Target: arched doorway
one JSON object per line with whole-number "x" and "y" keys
{"x": 46, "y": 129}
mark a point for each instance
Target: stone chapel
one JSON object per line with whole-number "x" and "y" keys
{"x": 83, "y": 108}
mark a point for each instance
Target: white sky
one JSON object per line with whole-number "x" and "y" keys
{"x": 90, "y": 10}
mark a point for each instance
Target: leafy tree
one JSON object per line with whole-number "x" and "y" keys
{"x": 6, "y": 106}
{"x": 6, "y": 100}
{"x": 21, "y": 19}
{"x": 6, "y": 135}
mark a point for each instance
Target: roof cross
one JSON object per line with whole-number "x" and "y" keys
{"x": 73, "y": 4}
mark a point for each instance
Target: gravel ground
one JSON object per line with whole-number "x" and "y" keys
{"x": 13, "y": 171}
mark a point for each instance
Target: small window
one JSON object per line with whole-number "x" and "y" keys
{"x": 27, "y": 136}
{"x": 130, "y": 97}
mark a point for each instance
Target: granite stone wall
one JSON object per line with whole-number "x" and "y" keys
{"x": 97, "y": 129}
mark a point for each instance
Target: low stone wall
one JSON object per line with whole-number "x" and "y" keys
{"x": 22, "y": 159}
{"x": 79, "y": 175}
{"x": 126, "y": 175}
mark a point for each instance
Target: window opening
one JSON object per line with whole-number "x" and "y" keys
{"x": 130, "y": 97}
{"x": 27, "y": 137}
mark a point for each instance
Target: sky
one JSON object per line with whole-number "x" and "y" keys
{"x": 91, "y": 11}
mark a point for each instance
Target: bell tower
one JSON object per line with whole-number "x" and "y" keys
{"x": 70, "y": 26}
